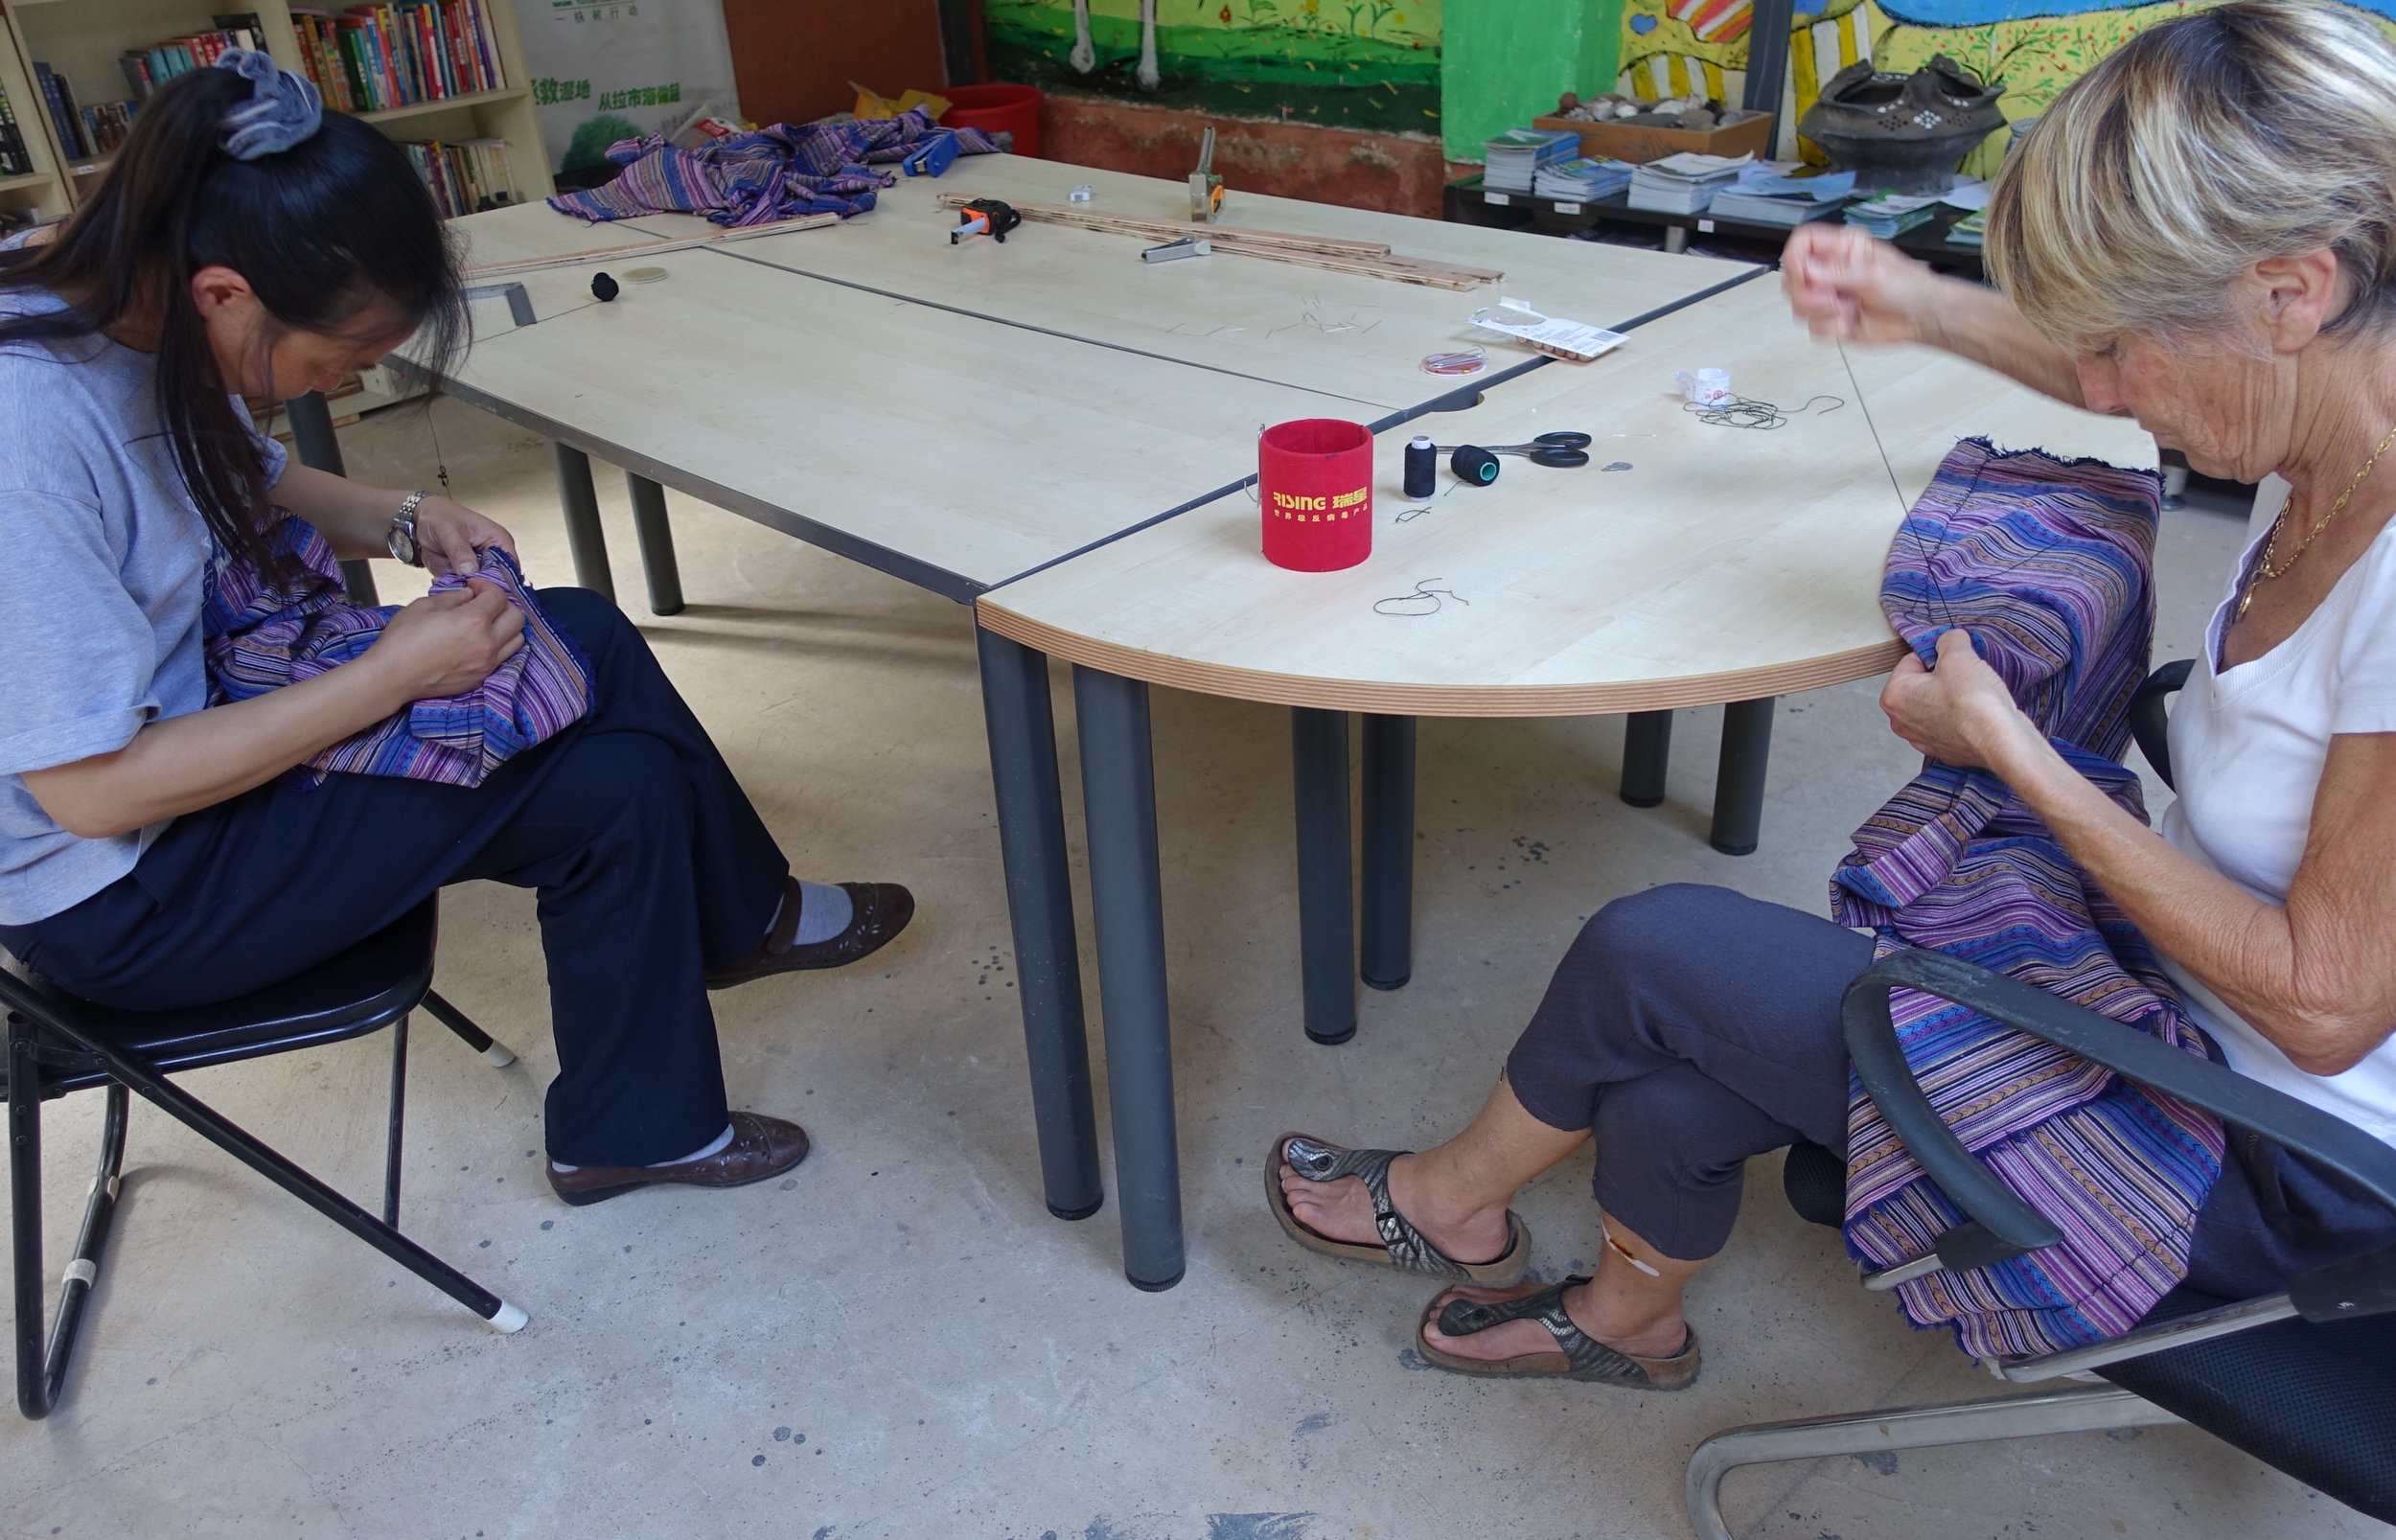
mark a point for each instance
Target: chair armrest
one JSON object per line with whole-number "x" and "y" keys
{"x": 2149, "y": 723}
{"x": 2003, "y": 1225}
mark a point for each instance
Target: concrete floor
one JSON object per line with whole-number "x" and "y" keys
{"x": 899, "y": 1342}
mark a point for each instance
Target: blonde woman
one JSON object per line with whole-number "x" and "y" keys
{"x": 2201, "y": 233}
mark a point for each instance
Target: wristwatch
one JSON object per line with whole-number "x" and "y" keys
{"x": 402, "y": 540}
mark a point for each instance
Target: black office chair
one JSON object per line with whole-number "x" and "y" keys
{"x": 2304, "y": 1381}
{"x": 60, "y": 1042}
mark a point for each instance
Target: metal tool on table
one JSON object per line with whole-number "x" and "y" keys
{"x": 985, "y": 216}
{"x": 1171, "y": 251}
{"x": 1206, "y": 189}
{"x": 1477, "y": 465}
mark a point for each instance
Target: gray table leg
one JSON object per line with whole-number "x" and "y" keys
{"x": 1022, "y": 723}
{"x": 656, "y": 545}
{"x": 584, "y": 535}
{"x": 1676, "y": 237}
{"x": 1647, "y": 755}
{"x": 316, "y": 446}
{"x": 1120, "y": 807}
{"x": 1738, "y": 780}
{"x": 1388, "y": 902}
{"x": 1326, "y": 914}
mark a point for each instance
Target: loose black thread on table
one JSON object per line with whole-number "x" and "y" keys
{"x": 1422, "y": 591}
{"x": 1742, "y": 411}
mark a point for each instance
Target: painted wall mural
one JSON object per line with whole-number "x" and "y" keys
{"x": 2036, "y": 47}
{"x": 1354, "y": 64}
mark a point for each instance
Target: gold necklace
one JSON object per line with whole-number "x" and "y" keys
{"x": 2266, "y": 568}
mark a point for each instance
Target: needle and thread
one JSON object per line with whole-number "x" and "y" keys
{"x": 1904, "y": 510}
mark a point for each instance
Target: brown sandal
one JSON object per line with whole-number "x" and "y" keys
{"x": 1578, "y": 1355}
{"x": 1402, "y": 1246}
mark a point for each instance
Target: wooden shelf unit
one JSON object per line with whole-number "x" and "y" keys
{"x": 41, "y": 192}
{"x": 82, "y": 39}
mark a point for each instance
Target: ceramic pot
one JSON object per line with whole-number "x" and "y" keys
{"x": 1902, "y": 133}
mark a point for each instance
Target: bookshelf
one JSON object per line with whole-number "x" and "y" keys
{"x": 40, "y": 193}
{"x": 82, "y": 39}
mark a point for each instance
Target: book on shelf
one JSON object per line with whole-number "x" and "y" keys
{"x": 466, "y": 176}
{"x": 15, "y": 160}
{"x": 145, "y": 69}
{"x": 58, "y": 99}
{"x": 106, "y": 125}
{"x": 370, "y": 58}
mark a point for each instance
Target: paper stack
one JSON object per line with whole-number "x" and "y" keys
{"x": 1684, "y": 183}
{"x": 1784, "y": 200}
{"x": 1516, "y": 156}
{"x": 1972, "y": 230}
{"x": 1583, "y": 180}
{"x": 1888, "y": 216}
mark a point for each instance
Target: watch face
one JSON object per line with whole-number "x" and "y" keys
{"x": 402, "y": 545}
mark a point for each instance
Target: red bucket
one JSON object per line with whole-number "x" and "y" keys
{"x": 1015, "y": 108}
{"x": 1314, "y": 481}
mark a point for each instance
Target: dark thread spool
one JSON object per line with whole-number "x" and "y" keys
{"x": 1473, "y": 465}
{"x": 1422, "y": 466}
{"x": 603, "y": 287}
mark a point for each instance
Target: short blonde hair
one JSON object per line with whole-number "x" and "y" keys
{"x": 2260, "y": 128}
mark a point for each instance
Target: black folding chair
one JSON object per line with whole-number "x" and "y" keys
{"x": 60, "y": 1042}
{"x": 2304, "y": 1381}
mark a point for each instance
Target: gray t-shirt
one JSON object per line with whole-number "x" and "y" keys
{"x": 104, "y": 563}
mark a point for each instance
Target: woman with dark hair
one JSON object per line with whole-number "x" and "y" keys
{"x": 156, "y": 855}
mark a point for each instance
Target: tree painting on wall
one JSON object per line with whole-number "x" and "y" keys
{"x": 1356, "y": 63}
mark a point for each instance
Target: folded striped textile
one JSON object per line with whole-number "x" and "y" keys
{"x": 2048, "y": 565}
{"x": 262, "y": 631}
{"x": 770, "y": 174}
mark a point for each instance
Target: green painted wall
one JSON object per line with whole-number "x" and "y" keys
{"x": 1504, "y": 63}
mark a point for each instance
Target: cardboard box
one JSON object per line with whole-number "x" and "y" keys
{"x": 1741, "y": 132}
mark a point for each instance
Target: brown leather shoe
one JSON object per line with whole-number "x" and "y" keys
{"x": 881, "y": 912}
{"x": 761, "y": 1147}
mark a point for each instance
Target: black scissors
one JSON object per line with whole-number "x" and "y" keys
{"x": 1561, "y": 450}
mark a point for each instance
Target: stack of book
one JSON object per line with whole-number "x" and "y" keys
{"x": 1887, "y": 216}
{"x": 106, "y": 126}
{"x": 145, "y": 69}
{"x": 1685, "y": 183}
{"x": 466, "y": 177}
{"x": 1516, "y": 155}
{"x": 1784, "y": 200}
{"x": 14, "y": 159}
{"x": 1581, "y": 180}
{"x": 370, "y": 58}
{"x": 1972, "y": 230}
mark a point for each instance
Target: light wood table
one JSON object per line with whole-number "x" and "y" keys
{"x": 1344, "y": 334}
{"x": 942, "y": 448}
{"x": 1725, "y": 566}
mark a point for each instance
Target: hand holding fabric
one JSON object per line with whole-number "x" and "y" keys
{"x": 1959, "y": 713}
{"x": 449, "y": 536}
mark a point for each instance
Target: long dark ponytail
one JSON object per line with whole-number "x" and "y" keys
{"x": 320, "y": 231}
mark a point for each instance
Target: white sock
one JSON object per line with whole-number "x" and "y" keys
{"x": 713, "y": 1146}
{"x": 823, "y": 912}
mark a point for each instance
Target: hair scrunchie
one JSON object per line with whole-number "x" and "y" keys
{"x": 283, "y": 108}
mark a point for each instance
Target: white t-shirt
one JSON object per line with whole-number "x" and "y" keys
{"x": 2247, "y": 747}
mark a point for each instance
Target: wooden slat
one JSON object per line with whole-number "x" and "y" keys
{"x": 1089, "y": 219}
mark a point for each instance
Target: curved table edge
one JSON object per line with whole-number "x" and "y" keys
{"x": 1380, "y": 698}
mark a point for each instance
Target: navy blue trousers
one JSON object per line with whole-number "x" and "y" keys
{"x": 1692, "y": 1028}
{"x": 650, "y": 864}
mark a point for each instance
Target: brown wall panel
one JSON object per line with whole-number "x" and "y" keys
{"x": 793, "y": 59}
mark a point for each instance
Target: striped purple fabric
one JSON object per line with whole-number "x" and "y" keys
{"x": 771, "y": 173}
{"x": 2048, "y": 564}
{"x": 262, "y": 632}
